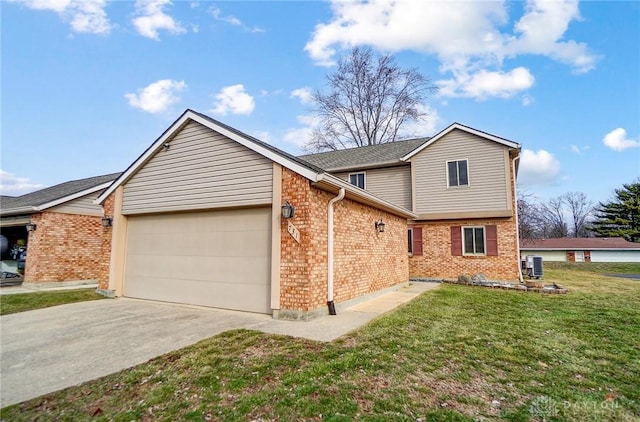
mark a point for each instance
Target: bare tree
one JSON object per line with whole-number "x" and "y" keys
{"x": 581, "y": 209}
{"x": 370, "y": 100}
{"x": 555, "y": 224}
{"x": 530, "y": 221}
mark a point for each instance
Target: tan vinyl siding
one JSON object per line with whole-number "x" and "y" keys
{"x": 202, "y": 169}
{"x": 487, "y": 171}
{"x": 83, "y": 206}
{"x": 390, "y": 183}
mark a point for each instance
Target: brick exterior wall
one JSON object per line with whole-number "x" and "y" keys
{"x": 105, "y": 246}
{"x": 438, "y": 262}
{"x": 64, "y": 247}
{"x": 365, "y": 261}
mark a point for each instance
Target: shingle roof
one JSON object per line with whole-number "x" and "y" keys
{"x": 52, "y": 193}
{"x": 580, "y": 243}
{"x": 364, "y": 156}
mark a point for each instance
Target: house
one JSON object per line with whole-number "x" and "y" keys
{"x": 585, "y": 249}
{"x": 62, "y": 229}
{"x": 461, "y": 186}
{"x": 198, "y": 219}
{"x": 210, "y": 216}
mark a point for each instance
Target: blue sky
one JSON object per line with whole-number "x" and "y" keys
{"x": 87, "y": 85}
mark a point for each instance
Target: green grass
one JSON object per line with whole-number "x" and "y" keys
{"x": 456, "y": 353}
{"x": 596, "y": 267}
{"x": 10, "y": 304}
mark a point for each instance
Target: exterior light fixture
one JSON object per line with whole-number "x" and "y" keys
{"x": 166, "y": 145}
{"x": 288, "y": 210}
{"x": 107, "y": 221}
{"x": 380, "y": 226}
{"x": 31, "y": 227}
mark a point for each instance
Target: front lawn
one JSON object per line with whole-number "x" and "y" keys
{"x": 10, "y": 304}
{"x": 456, "y": 353}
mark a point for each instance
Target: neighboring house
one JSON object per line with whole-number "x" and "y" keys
{"x": 461, "y": 186}
{"x": 198, "y": 219}
{"x": 587, "y": 249}
{"x": 66, "y": 238}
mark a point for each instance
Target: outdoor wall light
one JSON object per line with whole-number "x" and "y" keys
{"x": 380, "y": 226}
{"x": 166, "y": 145}
{"x": 107, "y": 221}
{"x": 31, "y": 227}
{"x": 288, "y": 210}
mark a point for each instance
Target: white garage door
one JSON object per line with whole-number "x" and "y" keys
{"x": 219, "y": 259}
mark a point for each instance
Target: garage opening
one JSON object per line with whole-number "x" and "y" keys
{"x": 220, "y": 259}
{"x": 14, "y": 238}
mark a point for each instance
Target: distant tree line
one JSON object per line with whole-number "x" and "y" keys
{"x": 575, "y": 215}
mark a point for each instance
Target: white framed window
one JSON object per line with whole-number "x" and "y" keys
{"x": 474, "y": 240}
{"x": 458, "y": 173}
{"x": 357, "y": 179}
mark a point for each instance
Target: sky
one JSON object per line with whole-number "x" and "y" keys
{"x": 88, "y": 85}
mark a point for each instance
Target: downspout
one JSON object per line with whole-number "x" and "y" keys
{"x": 515, "y": 193}
{"x": 330, "y": 304}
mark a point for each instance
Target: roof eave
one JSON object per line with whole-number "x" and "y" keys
{"x": 367, "y": 166}
{"x": 17, "y": 211}
{"x": 71, "y": 197}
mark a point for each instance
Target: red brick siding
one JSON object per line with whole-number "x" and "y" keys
{"x": 365, "y": 260}
{"x": 64, "y": 247}
{"x": 438, "y": 262}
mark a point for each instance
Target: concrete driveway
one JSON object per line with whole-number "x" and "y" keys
{"x": 50, "y": 349}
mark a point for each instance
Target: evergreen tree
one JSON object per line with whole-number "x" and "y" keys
{"x": 620, "y": 217}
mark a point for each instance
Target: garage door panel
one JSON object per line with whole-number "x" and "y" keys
{"x": 196, "y": 292}
{"x": 219, "y": 258}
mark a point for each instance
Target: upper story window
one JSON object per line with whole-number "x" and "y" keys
{"x": 457, "y": 172}
{"x": 357, "y": 179}
{"x": 473, "y": 240}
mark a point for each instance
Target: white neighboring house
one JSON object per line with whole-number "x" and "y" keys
{"x": 587, "y": 249}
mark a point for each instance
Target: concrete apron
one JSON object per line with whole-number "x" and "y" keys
{"x": 46, "y": 350}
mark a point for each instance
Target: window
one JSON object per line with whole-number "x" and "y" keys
{"x": 457, "y": 172}
{"x": 473, "y": 240}
{"x": 357, "y": 179}
{"x": 414, "y": 246}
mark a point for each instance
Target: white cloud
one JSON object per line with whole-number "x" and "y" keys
{"x": 617, "y": 140}
{"x": 156, "y": 97}
{"x": 264, "y": 136}
{"x": 425, "y": 126}
{"x": 541, "y": 29}
{"x": 85, "y": 16}
{"x": 12, "y": 185}
{"x": 150, "y": 18}
{"x": 233, "y": 99}
{"x": 217, "y": 15}
{"x": 305, "y": 95}
{"x": 575, "y": 149}
{"x": 537, "y": 168}
{"x": 527, "y": 100}
{"x": 484, "y": 84}
{"x": 302, "y": 135}
{"x": 470, "y": 40}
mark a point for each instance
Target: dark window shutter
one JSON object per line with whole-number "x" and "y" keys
{"x": 456, "y": 240}
{"x": 491, "y": 232}
{"x": 417, "y": 240}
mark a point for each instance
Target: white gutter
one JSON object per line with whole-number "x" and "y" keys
{"x": 330, "y": 304}
{"x": 515, "y": 193}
